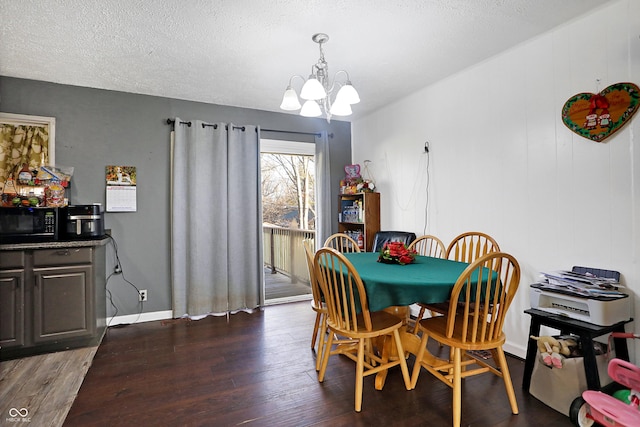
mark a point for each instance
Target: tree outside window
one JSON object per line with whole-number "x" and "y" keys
{"x": 288, "y": 195}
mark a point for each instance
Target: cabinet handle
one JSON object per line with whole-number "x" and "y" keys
{"x": 64, "y": 252}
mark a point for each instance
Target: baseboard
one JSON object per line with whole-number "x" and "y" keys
{"x": 516, "y": 350}
{"x": 139, "y": 318}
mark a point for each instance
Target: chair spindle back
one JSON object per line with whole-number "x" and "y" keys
{"x": 428, "y": 245}
{"x": 343, "y": 290}
{"x": 342, "y": 243}
{"x": 316, "y": 292}
{"x": 481, "y": 296}
{"x": 469, "y": 246}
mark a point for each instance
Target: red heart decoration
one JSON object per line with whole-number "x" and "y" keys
{"x": 598, "y": 116}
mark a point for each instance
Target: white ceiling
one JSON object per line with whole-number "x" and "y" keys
{"x": 242, "y": 52}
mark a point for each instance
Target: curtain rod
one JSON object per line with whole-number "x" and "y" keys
{"x": 295, "y": 132}
{"x": 173, "y": 122}
{"x": 215, "y": 126}
{"x": 330, "y": 135}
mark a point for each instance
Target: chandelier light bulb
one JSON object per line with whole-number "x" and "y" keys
{"x": 312, "y": 89}
{"x": 341, "y": 108}
{"x": 311, "y": 109}
{"x": 290, "y": 100}
{"x": 348, "y": 94}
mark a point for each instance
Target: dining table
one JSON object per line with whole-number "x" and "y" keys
{"x": 426, "y": 280}
{"x": 393, "y": 286}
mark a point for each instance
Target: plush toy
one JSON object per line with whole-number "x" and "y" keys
{"x": 354, "y": 182}
{"x": 554, "y": 351}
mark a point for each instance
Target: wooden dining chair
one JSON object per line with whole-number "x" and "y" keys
{"x": 317, "y": 305}
{"x": 467, "y": 247}
{"x": 349, "y": 316}
{"x": 342, "y": 243}
{"x": 427, "y": 245}
{"x": 477, "y": 309}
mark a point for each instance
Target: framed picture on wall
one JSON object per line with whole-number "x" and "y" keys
{"x": 25, "y": 139}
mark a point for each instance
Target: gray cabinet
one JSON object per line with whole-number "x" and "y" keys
{"x": 51, "y": 299}
{"x": 62, "y": 294}
{"x": 12, "y": 287}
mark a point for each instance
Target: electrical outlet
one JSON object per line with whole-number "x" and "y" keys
{"x": 142, "y": 295}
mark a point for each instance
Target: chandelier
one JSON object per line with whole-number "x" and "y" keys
{"x": 317, "y": 91}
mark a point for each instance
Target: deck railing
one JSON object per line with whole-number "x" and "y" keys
{"x": 283, "y": 251}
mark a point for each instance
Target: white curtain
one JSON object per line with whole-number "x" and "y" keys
{"x": 216, "y": 221}
{"x": 323, "y": 189}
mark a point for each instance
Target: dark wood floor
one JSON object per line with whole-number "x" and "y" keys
{"x": 258, "y": 370}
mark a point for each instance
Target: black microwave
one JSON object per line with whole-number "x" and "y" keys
{"x": 29, "y": 224}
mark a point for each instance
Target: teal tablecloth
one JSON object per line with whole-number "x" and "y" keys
{"x": 426, "y": 280}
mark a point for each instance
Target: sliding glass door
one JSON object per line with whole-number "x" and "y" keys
{"x": 288, "y": 213}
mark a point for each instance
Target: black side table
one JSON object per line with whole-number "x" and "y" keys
{"x": 586, "y": 331}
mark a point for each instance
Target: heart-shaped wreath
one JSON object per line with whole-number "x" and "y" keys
{"x": 598, "y": 116}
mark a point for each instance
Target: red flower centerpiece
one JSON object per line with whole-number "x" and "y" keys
{"x": 396, "y": 253}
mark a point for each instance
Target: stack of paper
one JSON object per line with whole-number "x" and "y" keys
{"x": 583, "y": 284}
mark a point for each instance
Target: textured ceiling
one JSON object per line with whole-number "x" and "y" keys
{"x": 242, "y": 52}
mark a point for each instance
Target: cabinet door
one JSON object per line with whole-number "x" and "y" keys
{"x": 11, "y": 308}
{"x": 63, "y": 303}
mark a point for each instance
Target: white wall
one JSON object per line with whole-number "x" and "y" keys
{"x": 501, "y": 161}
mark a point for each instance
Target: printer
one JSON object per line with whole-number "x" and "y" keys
{"x": 587, "y": 294}
{"x": 601, "y": 311}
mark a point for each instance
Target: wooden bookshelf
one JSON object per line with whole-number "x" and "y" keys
{"x": 360, "y": 213}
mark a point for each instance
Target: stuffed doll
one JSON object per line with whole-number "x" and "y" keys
{"x": 550, "y": 349}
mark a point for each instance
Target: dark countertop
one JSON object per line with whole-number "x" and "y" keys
{"x": 56, "y": 245}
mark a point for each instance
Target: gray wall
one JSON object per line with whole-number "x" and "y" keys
{"x": 96, "y": 128}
